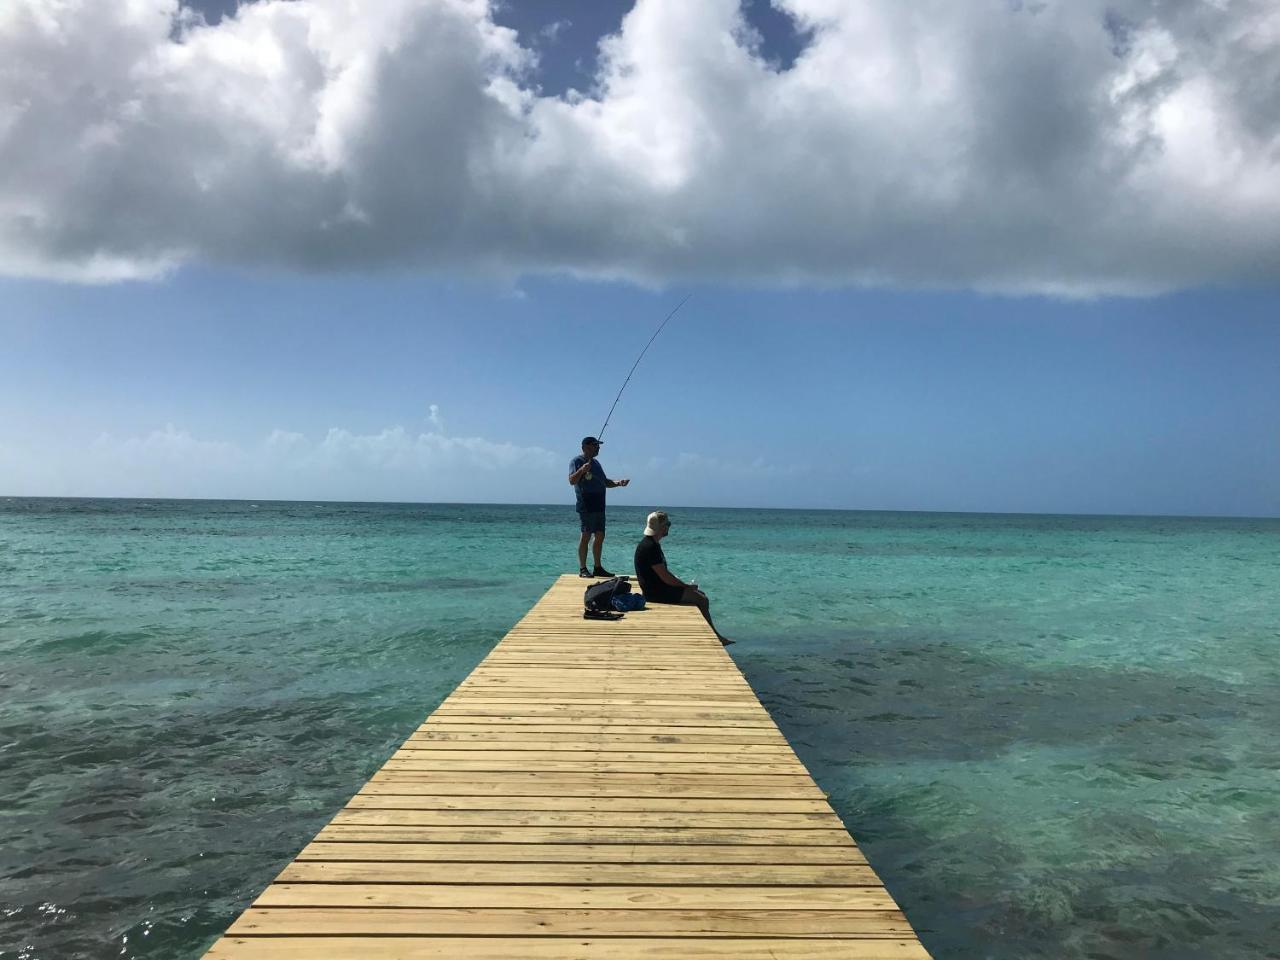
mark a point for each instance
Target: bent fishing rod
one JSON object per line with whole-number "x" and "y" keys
{"x": 600, "y": 435}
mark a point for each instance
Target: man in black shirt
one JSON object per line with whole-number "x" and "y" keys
{"x": 660, "y": 585}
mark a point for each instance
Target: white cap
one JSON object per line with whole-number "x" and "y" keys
{"x": 656, "y": 519}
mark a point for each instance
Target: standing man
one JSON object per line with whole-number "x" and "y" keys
{"x": 659, "y": 584}
{"x": 587, "y": 478}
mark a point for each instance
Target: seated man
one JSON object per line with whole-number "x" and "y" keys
{"x": 660, "y": 585}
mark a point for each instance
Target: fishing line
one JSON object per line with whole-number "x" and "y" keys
{"x": 600, "y": 435}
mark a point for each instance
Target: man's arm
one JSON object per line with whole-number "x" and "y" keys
{"x": 579, "y": 473}
{"x": 667, "y": 577}
{"x": 616, "y": 483}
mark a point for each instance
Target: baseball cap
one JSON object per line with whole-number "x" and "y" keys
{"x": 656, "y": 519}
{"x": 586, "y": 440}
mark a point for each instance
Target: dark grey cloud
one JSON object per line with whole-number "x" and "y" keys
{"x": 1077, "y": 148}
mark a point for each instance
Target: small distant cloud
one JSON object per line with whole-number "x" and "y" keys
{"x": 170, "y": 446}
{"x": 433, "y": 417}
{"x": 552, "y": 31}
{"x": 284, "y": 440}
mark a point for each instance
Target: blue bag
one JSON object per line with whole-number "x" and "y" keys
{"x": 623, "y": 602}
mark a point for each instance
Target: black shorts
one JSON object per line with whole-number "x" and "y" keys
{"x": 664, "y": 593}
{"x": 592, "y": 521}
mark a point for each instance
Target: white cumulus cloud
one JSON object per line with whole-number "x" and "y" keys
{"x": 1065, "y": 147}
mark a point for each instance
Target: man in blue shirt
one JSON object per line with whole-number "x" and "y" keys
{"x": 587, "y": 478}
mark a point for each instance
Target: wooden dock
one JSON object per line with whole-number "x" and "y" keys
{"x": 593, "y": 789}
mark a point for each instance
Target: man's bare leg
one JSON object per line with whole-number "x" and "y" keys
{"x": 696, "y": 598}
{"x": 582, "y": 551}
{"x": 597, "y": 545}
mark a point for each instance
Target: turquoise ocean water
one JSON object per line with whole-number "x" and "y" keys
{"x": 1054, "y": 736}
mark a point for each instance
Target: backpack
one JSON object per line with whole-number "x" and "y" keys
{"x": 598, "y": 597}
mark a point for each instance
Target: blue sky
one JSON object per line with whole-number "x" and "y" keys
{"x": 1001, "y": 335}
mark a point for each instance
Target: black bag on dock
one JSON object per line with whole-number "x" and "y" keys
{"x": 598, "y": 597}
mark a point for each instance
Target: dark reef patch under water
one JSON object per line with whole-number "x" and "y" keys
{"x": 1109, "y": 853}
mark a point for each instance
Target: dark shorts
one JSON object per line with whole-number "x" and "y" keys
{"x": 664, "y": 593}
{"x": 592, "y": 522}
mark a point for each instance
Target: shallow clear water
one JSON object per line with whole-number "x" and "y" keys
{"x": 1054, "y": 736}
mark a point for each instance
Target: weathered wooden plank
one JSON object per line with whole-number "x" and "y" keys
{"x": 603, "y": 833}
{"x": 499, "y": 896}
{"x": 669, "y": 672}
{"x": 509, "y": 740}
{"x": 699, "y": 701}
{"x": 283, "y": 921}
{"x": 632, "y": 874}
{"x": 517, "y": 762}
{"x": 707, "y": 786}
{"x": 358, "y": 816}
{"x": 422, "y": 752}
{"x": 589, "y": 721}
{"x": 674, "y": 778}
{"x": 665, "y": 732}
{"x": 384, "y": 798}
{"x": 606, "y": 704}
{"x": 554, "y": 948}
{"x": 626, "y": 853}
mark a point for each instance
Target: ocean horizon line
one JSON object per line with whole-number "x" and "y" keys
{"x": 623, "y": 506}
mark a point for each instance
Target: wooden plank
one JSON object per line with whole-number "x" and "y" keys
{"x": 382, "y": 798}
{"x": 511, "y": 740}
{"x": 550, "y": 948}
{"x": 674, "y": 761}
{"x": 637, "y": 721}
{"x": 593, "y": 761}
{"x": 701, "y": 701}
{"x": 516, "y": 762}
{"x": 592, "y": 790}
{"x": 623, "y": 779}
{"x": 662, "y": 874}
{"x": 357, "y": 816}
{"x": 572, "y": 693}
{"x": 488, "y": 921}
{"x": 499, "y": 896}
{"x": 665, "y": 733}
{"x": 604, "y": 785}
{"x": 835, "y": 836}
{"x": 638, "y": 853}
{"x": 599, "y": 673}
{"x": 729, "y": 715}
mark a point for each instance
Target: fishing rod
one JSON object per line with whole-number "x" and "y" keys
{"x": 600, "y": 435}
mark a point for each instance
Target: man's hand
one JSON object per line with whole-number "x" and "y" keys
{"x": 623, "y": 483}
